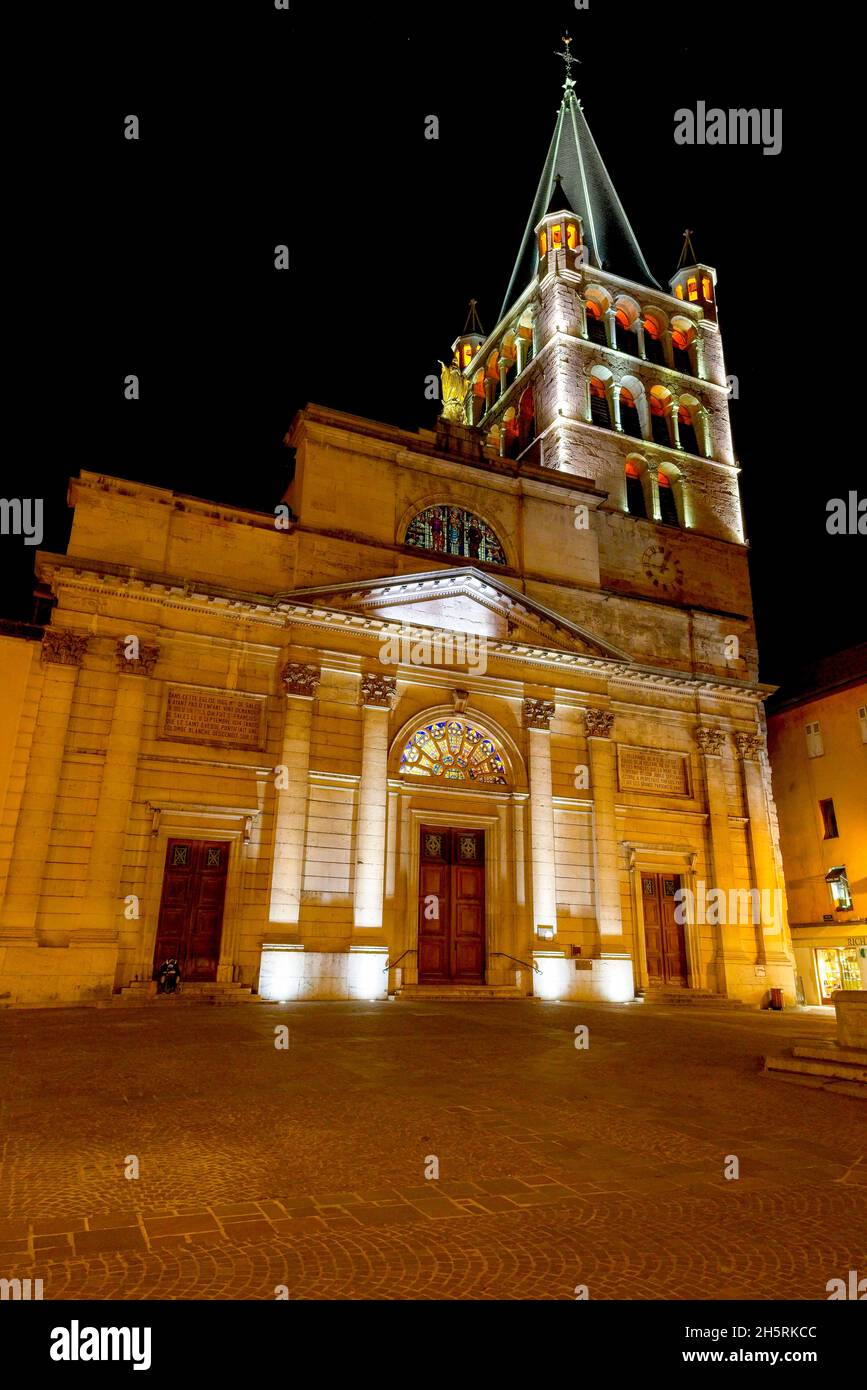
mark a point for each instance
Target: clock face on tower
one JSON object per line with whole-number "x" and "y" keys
{"x": 662, "y": 569}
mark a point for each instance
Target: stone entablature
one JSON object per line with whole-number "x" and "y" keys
{"x": 62, "y": 648}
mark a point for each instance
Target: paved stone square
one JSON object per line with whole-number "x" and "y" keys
{"x": 305, "y": 1166}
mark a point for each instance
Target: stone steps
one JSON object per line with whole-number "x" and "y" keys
{"x": 450, "y": 993}
{"x": 692, "y": 997}
{"x": 825, "y": 1066}
{"x": 141, "y": 993}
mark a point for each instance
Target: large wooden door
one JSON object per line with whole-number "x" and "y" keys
{"x": 665, "y": 940}
{"x": 451, "y": 906}
{"x": 191, "y": 909}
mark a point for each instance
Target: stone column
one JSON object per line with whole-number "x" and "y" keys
{"x": 730, "y": 956}
{"x": 603, "y": 784}
{"x": 521, "y": 346}
{"x": 377, "y": 698}
{"x": 101, "y": 908}
{"x": 610, "y": 327}
{"x": 61, "y": 655}
{"x": 641, "y": 347}
{"x": 300, "y": 683}
{"x": 672, "y": 409}
{"x": 771, "y": 936}
{"x": 537, "y": 720}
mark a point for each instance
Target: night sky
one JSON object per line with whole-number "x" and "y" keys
{"x": 261, "y": 127}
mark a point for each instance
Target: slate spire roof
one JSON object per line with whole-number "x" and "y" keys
{"x": 588, "y": 188}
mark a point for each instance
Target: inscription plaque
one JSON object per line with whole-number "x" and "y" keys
{"x": 650, "y": 770}
{"x": 193, "y": 714}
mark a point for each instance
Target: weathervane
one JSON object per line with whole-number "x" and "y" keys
{"x": 568, "y": 58}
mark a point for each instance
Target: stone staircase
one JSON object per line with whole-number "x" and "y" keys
{"x": 451, "y": 993}
{"x": 141, "y": 993}
{"x": 823, "y": 1066}
{"x": 703, "y": 998}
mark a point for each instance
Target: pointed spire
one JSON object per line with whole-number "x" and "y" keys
{"x": 687, "y": 254}
{"x": 589, "y": 193}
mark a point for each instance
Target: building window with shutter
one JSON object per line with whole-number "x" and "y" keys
{"x": 815, "y": 746}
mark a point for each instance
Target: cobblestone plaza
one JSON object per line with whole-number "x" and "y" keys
{"x": 304, "y": 1166}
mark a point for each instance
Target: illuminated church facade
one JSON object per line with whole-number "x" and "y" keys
{"x": 462, "y": 719}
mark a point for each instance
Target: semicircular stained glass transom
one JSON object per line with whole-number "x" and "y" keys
{"x": 452, "y": 531}
{"x": 455, "y": 751}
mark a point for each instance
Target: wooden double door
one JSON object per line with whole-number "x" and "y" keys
{"x": 664, "y": 938}
{"x": 451, "y": 906}
{"x": 190, "y": 924}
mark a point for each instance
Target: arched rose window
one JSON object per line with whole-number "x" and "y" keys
{"x": 454, "y": 751}
{"x": 452, "y": 531}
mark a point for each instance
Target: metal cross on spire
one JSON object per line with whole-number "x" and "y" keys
{"x": 568, "y": 58}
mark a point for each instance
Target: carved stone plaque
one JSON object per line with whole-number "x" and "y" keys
{"x": 195, "y": 714}
{"x": 652, "y": 770}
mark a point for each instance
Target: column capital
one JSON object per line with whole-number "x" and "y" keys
{"x": 538, "y": 713}
{"x": 142, "y": 665}
{"x": 598, "y": 723}
{"x": 710, "y": 740}
{"x": 60, "y": 647}
{"x": 378, "y": 692}
{"x": 749, "y": 745}
{"x": 300, "y": 678}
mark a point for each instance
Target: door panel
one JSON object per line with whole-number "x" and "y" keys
{"x": 451, "y": 913}
{"x": 664, "y": 938}
{"x": 190, "y": 923}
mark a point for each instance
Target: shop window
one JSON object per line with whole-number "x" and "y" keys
{"x": 815, "y": 746}
{"x": 837, "y": 968}
{"x": 829, "y": 819}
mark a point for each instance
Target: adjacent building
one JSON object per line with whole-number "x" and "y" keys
{"x": 817, "y": 740}
{"x": 476, "y": 710}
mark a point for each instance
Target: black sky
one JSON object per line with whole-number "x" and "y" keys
{"x": 262, "y": 127}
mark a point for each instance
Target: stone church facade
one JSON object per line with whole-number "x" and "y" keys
{"x": 467, "y": 716}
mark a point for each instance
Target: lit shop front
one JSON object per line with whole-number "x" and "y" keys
{"x": 828, "y": 959}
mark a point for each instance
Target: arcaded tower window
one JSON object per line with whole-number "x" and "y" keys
{"x": 667, "y": 504}
{"x": 635, "y": 501}
{"x": 453, "y": 531}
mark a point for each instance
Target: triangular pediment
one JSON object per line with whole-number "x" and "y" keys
{"x": 463, "y": 600}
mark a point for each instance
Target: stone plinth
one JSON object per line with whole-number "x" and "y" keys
{"x": 851, "y": 1009}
